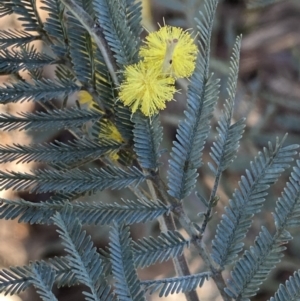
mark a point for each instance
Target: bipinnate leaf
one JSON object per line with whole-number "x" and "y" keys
{"x": 82, "y": 256}
{"x": 127, "y": 285}
{"x": 43, "y": 277}
{"x": 193, "y": 130}
{"x": 248, "y": 200}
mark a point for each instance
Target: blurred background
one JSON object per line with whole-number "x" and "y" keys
{"x": 268, "y": 96}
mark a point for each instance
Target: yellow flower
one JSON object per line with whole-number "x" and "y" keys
{"x": 171, "y": 50}
{"x": 109, "y": 131}
{"x": 146, "y": 88}
{"x": 85, "y": 98}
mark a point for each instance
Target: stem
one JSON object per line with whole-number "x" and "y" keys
{"x": 180, "y": 263}
{"x": 201, "y": 247}
{"x": 196, "y": 236}
{"x": 96, "y": 32}
{"x": 211, "y": 202}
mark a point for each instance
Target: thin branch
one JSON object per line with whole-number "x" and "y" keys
{"x": 180, "y": 263}
{"x": 96, "y": 32}
{"x": 196, "y": 237}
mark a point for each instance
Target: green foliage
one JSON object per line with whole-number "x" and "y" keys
{"x": 89, "y": 44}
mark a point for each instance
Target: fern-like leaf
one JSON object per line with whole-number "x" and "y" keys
{"x": 123, "y": 121}
{"x": 12, "y": 61}
{"x": 64, "y": 274}
{"x": 17, "y": 279}
{"x": 255, "y": 265}
{"x": 193, "y": 131}
{"x": 16, "y": 37}
{"x": 57, "y": 152}
{"x": 137, "y": 211}
{"x": 6, "y": 8}
{"x": 82, "y": 256}
{"x": 260, "y": 3}
{"x": 290, "y": 291}
{"x": 13, "y": 280}
{"x": 80, "y": 50}
{"x": 43, "y": 278}
{"x": 71, "y": 181}
{"x": 224, "y": 149}
{"x": 44, "y": 121}
{"x": 127, "y": 285}
{"x": 55, "y": 26}
{"x": 103, "y": 82}
{"x": 150, "y": 250}
{"x": 41, "y": 90}
{"x": 118, "y": 23}
{"x": 28, "y": 15}
{"x": 175, "y": 285}
{"x": 287, "y": 211}
{"x": 265, "y": 170}
{"x": 147, "y": 139}
{"x": 134, "y": 17}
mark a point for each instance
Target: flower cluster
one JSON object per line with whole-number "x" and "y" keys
{"x": 108, "y": 131}
{"x": 168, "y": 54}
{"x": 86, "y": 99}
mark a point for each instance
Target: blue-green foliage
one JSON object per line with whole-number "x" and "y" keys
{"x": 75, "y": 180}
{"x": 121, "y": 24}
{"x": 57, "y": 152}
{"x": 13, "y": 60}
{"x": 260, "y": 3}
{"x": 55, "y": 26}
{"x": 225, "y": 148}
{"x": 43, "y": 278}
{"x": 290, "y": 291}
{"x": 168, "y": 245}
{"x": 81, "y": 52}
{"x": 127, "y": 284}
{"x": 137, "y": 211}
{"x": 255, "y": 265}
{"x": 248, "y": 200}
{"x": 39, "y": 90}
{"x": 147, "y": 139}
{"x": 88, "y": 162}
{"x": 44, "y": 121}
{"x": 13, "y": 37}
{"x": 82, "y": 256}
{"x": 176, "y": 284}
{"x": 192, "y": 132}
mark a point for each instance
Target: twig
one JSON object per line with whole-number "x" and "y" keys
{"x": 96, "y": 32}
{"x": 196, "y": 236}
{"x": 180, "y": 263}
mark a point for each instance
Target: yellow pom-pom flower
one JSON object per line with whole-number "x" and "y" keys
{"x": 85, "y": 98}
{"x": 108, "y": 131}
{"x": 170, "y": 50}
{"x": 146, "y": 88}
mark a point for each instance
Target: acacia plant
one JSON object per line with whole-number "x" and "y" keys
{"x": 122, "y": 84}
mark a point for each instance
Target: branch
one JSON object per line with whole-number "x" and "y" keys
{"x": 96, "y": 32}
{"x": 180, "y": 263}
{"x": 195, "y": 235}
